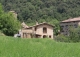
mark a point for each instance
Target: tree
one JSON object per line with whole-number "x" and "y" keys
{"x": 74, "y": 34}
{"x": 8, "y": 23}
{"x": 42, "y": 9}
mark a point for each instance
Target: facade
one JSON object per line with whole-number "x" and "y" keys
{"x": 67, "y": 24}
{"x": 41, "y": 30}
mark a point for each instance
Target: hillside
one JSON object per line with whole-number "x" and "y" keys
{"x": 43, "y": 10}
{"x": 17, "y": 47}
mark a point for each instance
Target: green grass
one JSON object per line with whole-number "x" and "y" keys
{"x": 17, "y": 47}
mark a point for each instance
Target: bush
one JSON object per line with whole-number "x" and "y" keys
{"x": 74, "y": 34}
{"x": 62, "y": 38}
{"x": 9, "y": 25}
{"x": 2, "y": 34}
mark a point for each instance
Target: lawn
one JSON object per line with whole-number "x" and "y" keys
{"x": 17, "y": 47}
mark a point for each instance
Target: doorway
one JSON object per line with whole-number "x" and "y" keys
{"x": 44, "y": 36}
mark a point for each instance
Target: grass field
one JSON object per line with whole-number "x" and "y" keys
{"x": 17, "y": 47}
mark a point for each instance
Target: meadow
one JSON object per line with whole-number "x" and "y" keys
{"x": 18, "y": 47}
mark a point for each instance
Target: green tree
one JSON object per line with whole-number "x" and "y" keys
{"x": 74, "y": 34}
{"x": 8, "y": 23}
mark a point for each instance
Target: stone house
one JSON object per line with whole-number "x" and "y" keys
{"x": 69, "y": 23}
{"x": 41, "y": 30}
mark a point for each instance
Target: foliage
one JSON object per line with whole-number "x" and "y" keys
{"x": 62, "y": 38}
{"x": 42, "y": 9}
{"x": 8, "y": 23}
{"x": 12, "y": 47}
{"x": 74, "y": 34}
{"x": 1, "y": 34}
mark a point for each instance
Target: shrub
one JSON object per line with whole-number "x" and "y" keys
{"x": 62, "y": 38}
{"x": 74, "y": 34}
{"x": 1, "y": 34}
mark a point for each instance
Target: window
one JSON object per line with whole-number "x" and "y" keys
{"x": 44, "y": 36}
{"x": 62, "y": 26}
{"x": 66, "y": 26}
{"x": 44, "y": 30}
{"x": 49, "y": 36}
{"x": 35, "y": 28}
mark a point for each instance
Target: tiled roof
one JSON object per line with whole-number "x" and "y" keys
{"x": 43, "y": 23}
{"x": 72, "y": 19}
{"x": 25, "y": 26}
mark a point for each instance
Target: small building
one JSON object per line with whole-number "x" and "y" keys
{"x": 67, "y": 24}
{"x": 41, "y": 30}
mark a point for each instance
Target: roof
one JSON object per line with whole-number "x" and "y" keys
{"x": 72, "y": 19}
{"x": 24, "y": 25}
{"x": 44, "y": 23}
{"x": 28, "y": 27}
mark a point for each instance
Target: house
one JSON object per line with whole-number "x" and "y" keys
{"x": 67, "y": 24}
{"x": 41, "y": 30}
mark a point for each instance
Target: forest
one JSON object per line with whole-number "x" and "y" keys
{"x": 49, "y": 11}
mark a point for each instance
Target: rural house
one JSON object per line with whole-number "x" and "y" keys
{"x": 67, "y": 24}
{"x": 41, "y": 30}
